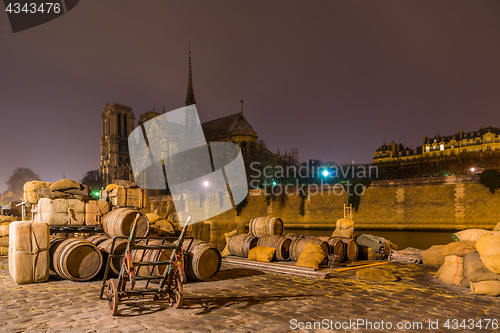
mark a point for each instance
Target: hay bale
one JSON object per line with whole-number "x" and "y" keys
{"x": 4, "y": 241}
{"x": 471, "y": 235}
{"x": 29, "y": 188}
{"x": 376, "y": 274}
{"x": 4, "y": 251}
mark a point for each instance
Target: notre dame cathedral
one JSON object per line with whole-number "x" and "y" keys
{"x": 118, "y": 121}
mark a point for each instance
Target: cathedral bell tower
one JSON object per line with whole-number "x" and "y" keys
{"x": 117, "y": 123}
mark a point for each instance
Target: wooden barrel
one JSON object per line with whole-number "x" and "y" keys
{"x": 240, "y": 244}
{"x": 119, "y": 249}
{"x": 77, "y": 260}
{"x": 266, "y": 226}
{"x": 54, "y": 243}
{"x": 203, "y": 261}
{"x": 350, "y": 248}
{"x": 336, "y": 247}
{"x": 119, "y": 223}
{"x": 293, "y": 237}
{"x": 299, "y": 244}
{"x": 280, "y": 243}
{"x": 97, "y": 239}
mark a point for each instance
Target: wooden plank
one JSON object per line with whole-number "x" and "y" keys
{"x": 277, "y": 268}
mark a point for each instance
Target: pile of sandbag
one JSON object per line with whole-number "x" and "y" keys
{"x": 65, "y": 202}
{"x": 467, "y": 263}
{"x": 344, "y": 228}
{"x": 62, "y": 189}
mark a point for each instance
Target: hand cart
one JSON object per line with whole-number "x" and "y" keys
{"x": 169, "y": 283}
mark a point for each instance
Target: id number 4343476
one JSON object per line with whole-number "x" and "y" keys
{"x": 47, "y": 7}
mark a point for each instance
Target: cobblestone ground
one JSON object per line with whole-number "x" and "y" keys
{"x": 244, "y": 300}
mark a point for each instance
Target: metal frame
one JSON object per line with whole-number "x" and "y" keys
{"x": 170, "y": 283}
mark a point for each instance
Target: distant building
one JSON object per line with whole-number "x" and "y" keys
{"x": 118, "y": 122}
{"x": 485, "y": 139}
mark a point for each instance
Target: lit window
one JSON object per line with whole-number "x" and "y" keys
{"x": 427, "y": 149}
{"x": 442, "y": 147}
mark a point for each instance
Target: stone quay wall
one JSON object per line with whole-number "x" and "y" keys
{"x": 438, "y": 204}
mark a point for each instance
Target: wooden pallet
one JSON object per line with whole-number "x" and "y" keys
{"x": 289, "y": 268}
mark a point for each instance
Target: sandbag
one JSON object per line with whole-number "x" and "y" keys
{"x": 125, "y": 183}
{"x": 488, "y": 247}
{"x": 61, "y": 211}
{"x": 83, "y": 191}
{"x": 488, "y": 288}
{"x": 376, "y": 274}
{"x": 471, "y": 235}
{"x": 29, "y": 252}
{"x": 165, "y": 225}
{"x": 453, "y": 270}
{"x": 4, "y": 241}
{"x": 409, "y": 255}
{"x": 343, "y": 224}
{"x": 311, "y": 256}
{"x": 261, "y": 253}
{"x": 152, "y": 218}
{"x": 4, "y": 230}
{"x": 4, "y": 251}
{"x": 95, "y": 210}
{"x": 348, "y": 233}
{"x": 475, "y": 271}
{"x": 29, "y": 188}
{"x": 47, "y": 193}
{"x": 432, "y": 256}
{"x": 227, "y": 236}
{"x": 460, "y": 248}
{"x": 64, "y": 184}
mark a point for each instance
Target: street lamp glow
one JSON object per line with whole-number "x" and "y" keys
{"x": 205, "y": 183}
{"x": 472, "y": 169}
{"x": 325, "y": 173}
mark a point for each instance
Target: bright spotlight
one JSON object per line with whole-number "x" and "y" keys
{"x": 325, "y": 173}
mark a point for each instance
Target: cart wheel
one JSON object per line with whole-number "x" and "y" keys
{"x": 112, "y": 297}
{"x": 176, "y": 291}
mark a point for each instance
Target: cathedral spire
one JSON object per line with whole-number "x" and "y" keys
{"x": 190, "y": 91}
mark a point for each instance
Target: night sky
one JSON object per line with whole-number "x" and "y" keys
{"x": 334, "y": 79}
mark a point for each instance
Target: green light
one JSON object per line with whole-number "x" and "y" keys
{"x": 274, "y": 183}
{"x": 95, "y": 194}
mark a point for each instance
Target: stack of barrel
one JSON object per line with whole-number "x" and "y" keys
{"x": 268, "y": 231}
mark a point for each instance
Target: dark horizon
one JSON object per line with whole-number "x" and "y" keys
{"x": 333, "y": 79}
